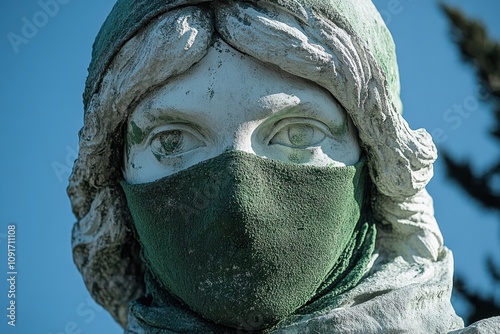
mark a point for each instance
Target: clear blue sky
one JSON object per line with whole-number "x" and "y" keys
{"x": 41, "y": 113}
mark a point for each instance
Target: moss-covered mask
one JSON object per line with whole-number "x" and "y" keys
{"x": 247, "y": 240}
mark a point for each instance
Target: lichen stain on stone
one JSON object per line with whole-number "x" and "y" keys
{"x": 136, "y": 135}
{"x": 158, "y": 157}
{"x": 134, "y": 166}
{"x": 300, "y": 156}
{"x": 295, "y": 157}
{"x": 340, "y": 130}
{"x": 176, "y": 162}
{"x": 246, "y": 21}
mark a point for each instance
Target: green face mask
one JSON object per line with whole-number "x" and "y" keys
{"x": 244, "y": 240}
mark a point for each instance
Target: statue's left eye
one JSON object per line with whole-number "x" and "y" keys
{"x": 299, "y": 133}
{"x": 173, "y": 142}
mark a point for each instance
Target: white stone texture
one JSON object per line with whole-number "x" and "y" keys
{"x": 485, "y": 326}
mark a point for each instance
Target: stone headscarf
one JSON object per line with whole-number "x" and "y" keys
{"x": 343, "y": 46}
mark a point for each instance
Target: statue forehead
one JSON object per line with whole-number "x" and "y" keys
{"x": 223, "y": 74}
{"x": 128, "y": 16}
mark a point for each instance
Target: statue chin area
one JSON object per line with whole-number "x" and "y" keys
{"x": 244, "y": 166}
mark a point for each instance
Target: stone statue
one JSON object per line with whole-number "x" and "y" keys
{"x": 244, "y": 167}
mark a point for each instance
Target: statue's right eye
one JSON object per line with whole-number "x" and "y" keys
{"x": 174, "y": 142}
{"x": 299, "y": 133}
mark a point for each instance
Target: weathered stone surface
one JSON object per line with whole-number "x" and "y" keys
{"x": 486, "y": 326}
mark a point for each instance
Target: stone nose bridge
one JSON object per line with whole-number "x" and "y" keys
{"x": 241, "y": 137}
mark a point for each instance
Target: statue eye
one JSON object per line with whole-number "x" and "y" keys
{"x": 299, "y": 133}
{"x": 173, "y": 142}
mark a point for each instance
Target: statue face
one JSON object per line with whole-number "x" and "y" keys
{"x": 250, "y": 235}
{"x": 229, "y": 101}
